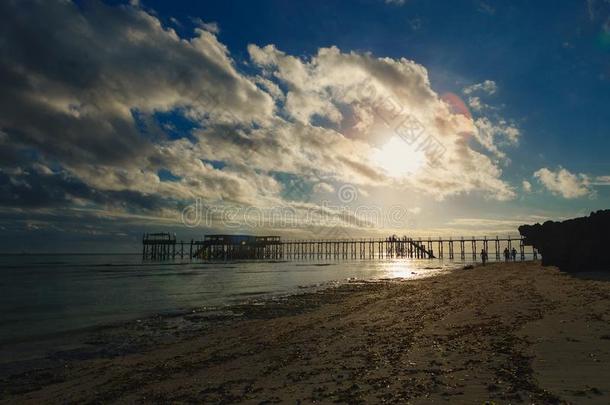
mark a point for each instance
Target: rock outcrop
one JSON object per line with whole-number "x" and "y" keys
{"x": 580, "y": 244}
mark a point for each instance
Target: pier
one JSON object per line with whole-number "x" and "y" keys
{"x": 163, "y": 246}
{"x": 160, "y": 246}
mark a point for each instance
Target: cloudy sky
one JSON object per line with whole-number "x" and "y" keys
{"x": 305, "y": 119}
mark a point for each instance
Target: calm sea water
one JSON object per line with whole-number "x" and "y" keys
{"x": 41, "y": 295}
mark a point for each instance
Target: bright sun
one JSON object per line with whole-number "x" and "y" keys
{"x": 398, "y": 158}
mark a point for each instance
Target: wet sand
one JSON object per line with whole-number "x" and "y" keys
{"x": 501, "y": 332}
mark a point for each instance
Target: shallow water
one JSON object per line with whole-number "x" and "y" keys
{"x": 42, "y": 295}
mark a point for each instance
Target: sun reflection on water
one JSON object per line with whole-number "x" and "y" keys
{"x": 399, "y": 268}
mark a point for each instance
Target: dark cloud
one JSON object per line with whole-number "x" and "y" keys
{"x": 39, "y": 187}
{"x": 78, "y": 82}
{"x": 71, "y": 77}
{"x": 52, "y": 96}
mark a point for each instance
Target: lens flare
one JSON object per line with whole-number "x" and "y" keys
{"x": 456, "y": 104}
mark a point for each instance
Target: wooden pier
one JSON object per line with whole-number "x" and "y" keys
{"x": 162, "y": 246}
{"x": 224, "y": 247}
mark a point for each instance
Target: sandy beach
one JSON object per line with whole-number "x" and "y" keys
{"x": 501, "y": 332}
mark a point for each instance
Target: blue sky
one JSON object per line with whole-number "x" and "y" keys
{"x": 129, "y": 112}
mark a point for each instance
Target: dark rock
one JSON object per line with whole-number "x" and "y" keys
{"x": 576, "y": 245}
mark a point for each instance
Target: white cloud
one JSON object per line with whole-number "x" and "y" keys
{"x": 212, "y": 26}
{"x": 270, "y": 87}
{"x": 564, "y": 183}
{"x": 396, "y": 2}
{"x": 475, "y": 103}
{"x": 322, "y": 187}
{"x": 601, "y": 181}
{"x": 488, "y": 87}
{"x": 377, "y": 90}
{"x": 492, "y": 135}
{"x": 527, "y": 186}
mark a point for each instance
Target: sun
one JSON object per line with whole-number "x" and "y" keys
{"x": 398, "y": 158}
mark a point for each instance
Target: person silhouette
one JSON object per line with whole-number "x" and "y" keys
{"x": 514, "y": 254}
{"x": 506, "y": 254}
{"x": 483, "y": 256}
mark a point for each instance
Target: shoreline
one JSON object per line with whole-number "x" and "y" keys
{"x": 77, "y": 337}
{"x": 478, "y": 334}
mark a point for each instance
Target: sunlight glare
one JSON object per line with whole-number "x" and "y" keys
{"x": 398, "y": 158}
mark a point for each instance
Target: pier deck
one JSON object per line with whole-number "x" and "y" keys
{"x": 161, "y": 246}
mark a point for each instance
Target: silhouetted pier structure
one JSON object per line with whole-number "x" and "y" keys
{"x": 223, "y": 247}
{"x": 160, "y": 246}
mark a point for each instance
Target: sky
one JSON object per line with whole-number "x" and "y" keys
{"x": 305, "y": 119}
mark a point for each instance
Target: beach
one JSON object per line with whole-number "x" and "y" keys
{"x": 513, "y": 332}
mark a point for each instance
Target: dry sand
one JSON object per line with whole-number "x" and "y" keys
{"x": 502, "y": 332}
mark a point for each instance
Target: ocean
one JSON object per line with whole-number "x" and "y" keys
{"x": 44, "y": 295}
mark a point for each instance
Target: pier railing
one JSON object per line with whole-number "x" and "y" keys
{"x": 227, "y": 247}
